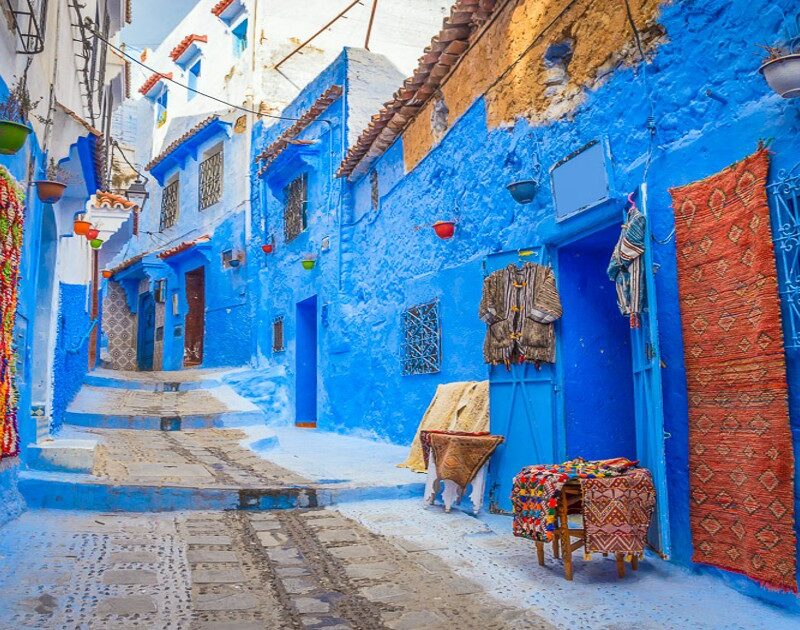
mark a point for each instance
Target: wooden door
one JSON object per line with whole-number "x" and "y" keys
{"x": 145, "y": 338}
{"x": 194, "y": 329}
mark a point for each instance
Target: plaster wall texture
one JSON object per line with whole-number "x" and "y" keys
{"x": 710, "y": 108}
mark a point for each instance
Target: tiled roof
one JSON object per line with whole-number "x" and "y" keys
{"x": 320, "y": 105}
{"x": 185, "y": 43}
{"x": 182, "y": 247}
{"x": 127, "y": 263}
{"x": 128, "y": 12}
{"x": 92, "y": 130}
{"x": 103, "y": 199}
{"x": 218, "y": 8}
{"x": 176, "y": 143}
{"x": 154, "y": 78}
{"x": 127, "y": 77}
{"x": 444, "y": 51}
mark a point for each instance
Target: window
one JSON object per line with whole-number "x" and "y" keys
{"x": 169, "y": 205}
{"x": 194, "y": 74}
{"x": 294, "y": 210}
{"x": 422, "y": 339}
{"x": 239, "y": 38}
{"x": 277, "y": 334}
{"x": 210, "y": 184}
{"x": 161, "y": 108}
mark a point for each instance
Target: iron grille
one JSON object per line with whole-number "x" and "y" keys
{"x": 169, "y": 205}
{"x": 211, "y": 180}
{"x": 277, "y": 334}
{"x": 785, "y": 196}
{"x": 422, "y": 332}
{"x": 294, "y": 212}
{"x": 29, "y": 17}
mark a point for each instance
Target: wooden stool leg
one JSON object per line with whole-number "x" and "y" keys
{"x": 621, "y": 565}
{"x": 563, "y": 529}
{"x": 555, "y": 547}
{"x": 540, "y": 552}
{"x": 635, "y": 563}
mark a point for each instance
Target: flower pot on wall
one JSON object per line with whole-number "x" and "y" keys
{"x": 49, "y": 191}
{"x": 309, "y": 263}
{"x": 107, "y": 273}
{"x": 268, "y": 248}
{"x": 783, "y": 75}
{"x": 524, "y": 191}
{"x": 81, "y": 227}
{"x": 444, "y": 229}
{"x": 92, "y": 234}
{"x": 96, "y": 243}
{"x": 12, "y": 136}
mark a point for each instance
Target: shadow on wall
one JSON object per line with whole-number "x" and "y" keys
{"x": 267, "y": 388}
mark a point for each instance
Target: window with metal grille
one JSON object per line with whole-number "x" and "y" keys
{"x": 785, "y": 193}
{"x": 422, "y": 339}
{"x": 277, "y": 334}
{"x": 169, "y": 205}
{"x": 211, "y": 179}
{"x": 30, "y": 17}
{"x": 294, "y": 210}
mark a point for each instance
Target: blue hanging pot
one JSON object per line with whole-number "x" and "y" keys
{"x": 524, "y": 191}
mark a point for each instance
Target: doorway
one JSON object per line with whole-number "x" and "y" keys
{"x": 595, "y": 353}
{"x": 194, "y": 330}
{"x": 43, "y": 318}
{"x": 145, "y": 338}
{"x": 306, "y": 363}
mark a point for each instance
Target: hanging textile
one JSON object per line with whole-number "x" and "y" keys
{"x": 519, "y": 306}
{"x": 625, "y": 268}
{"x": 741, "y": 461}
{"x": 11, "y": 223}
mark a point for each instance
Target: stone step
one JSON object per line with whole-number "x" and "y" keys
{"x": 163, "y": 423}
{"x": 165, "y": 381}
{"x": 66, "y": 455}
{"x": 76, "y": 491}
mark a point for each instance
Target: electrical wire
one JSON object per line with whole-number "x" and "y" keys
{"x": 90, "y": 26}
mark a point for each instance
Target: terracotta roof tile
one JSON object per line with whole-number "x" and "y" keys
{"x": 182, "y": 247}
{"x": 127, "y": 263}
{"x": 92, "y": 130}
{"x": 176, "y": 143}
{"x": 445, "y": 51}
{"x": 104, "y": 199}
{"x": 218, "y": 8}
{"x": 185, "y": 43}
{"x": 322, "y": 103}
{"x": 154, "y": 78}
{"x": 128, "y": 12}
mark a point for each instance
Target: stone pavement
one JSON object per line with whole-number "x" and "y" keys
{"x": 236, "y": 569}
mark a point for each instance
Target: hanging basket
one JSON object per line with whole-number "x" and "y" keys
{"x": 49, "y": 191}
{"x": 81, "y": 227}
{"x": 107, "y": 273}
{"x": 309, "y": 264}
{"x": 92, "y": 234}
{"x": 783, "y": 75}
{"x": 12, "y": 136}
{"x": 444, "y": 229}
{"x": 96, "y": 243}
{"x": 524, "y": 191}
{"x": 268, "y": 248}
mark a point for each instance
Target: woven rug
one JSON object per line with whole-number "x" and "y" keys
{"x": 617, "y": 512}
{"x": 11, "y": 219}
{"x": 459, "y": 457}
{"x": 741, "y": 462}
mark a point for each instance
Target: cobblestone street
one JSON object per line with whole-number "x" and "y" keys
{"x": 242, "y": 570}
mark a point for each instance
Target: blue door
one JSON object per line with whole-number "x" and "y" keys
{"x": 521, "y": 408}
{"x": 306, "y": 363}
{"x": 145, "y": 338}
{"x": 648, "y": 397}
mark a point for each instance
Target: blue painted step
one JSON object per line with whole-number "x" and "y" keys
{"x": 163, "y": 423}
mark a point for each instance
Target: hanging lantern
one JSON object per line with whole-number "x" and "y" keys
{"x": 445, "y": 229}
{"x": 96, "y": 243}
{"x": 92, "y": 234}
{"x": 81, "y": 227}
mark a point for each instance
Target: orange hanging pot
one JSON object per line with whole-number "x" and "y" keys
{"x": 107, "y": 273}
{"x": 81, "y": 227}
{"x": 445, "y": 229}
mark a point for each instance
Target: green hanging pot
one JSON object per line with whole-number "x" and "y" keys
{"x": 96, "y": 243}
{"x": 309, "y": 264}
{"x": 12, "y": 136}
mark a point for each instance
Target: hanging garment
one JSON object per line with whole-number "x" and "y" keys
{"x": 519, "y": 305}
{"x": 625, "y": 268}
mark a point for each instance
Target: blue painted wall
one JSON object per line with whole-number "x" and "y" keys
{"x": 710, "y": 107}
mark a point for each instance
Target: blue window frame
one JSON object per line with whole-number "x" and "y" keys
{"x": 161, "y": 107}
{"x": 194, "y": 74}
{"x": 239, "y": 38}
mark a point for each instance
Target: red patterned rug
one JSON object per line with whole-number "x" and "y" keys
{"x": 741, "y": 459}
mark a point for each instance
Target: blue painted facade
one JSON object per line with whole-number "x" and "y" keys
{"x": 710, "y": 108}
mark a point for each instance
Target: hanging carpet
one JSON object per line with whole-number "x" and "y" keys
{"x": 741, "y": 462}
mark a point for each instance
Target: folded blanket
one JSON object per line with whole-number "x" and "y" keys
{"x": 459, "y": 456}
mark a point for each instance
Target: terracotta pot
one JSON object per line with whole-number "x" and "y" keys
{"x": 267, "y": 248}
{"x": 107, "y": 273}
{"x": 444, "y": 229}
{"x": 524, "y": 191}
{"x": 81, "y": 227}
{"x": 96, "y": 243}
{"x": 92, "y": 234}
{"x": 783, "y": 75}
{"x": 49, "y": 191}
{"x": 309, "y": 264}
{"x": 12, "y": 136}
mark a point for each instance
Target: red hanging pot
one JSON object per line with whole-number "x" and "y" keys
{"x": 49, "y": 191}
{"x": 107, "y": 273}
{"x": 268, "y": 248}
{"x": 444, "y": 229}
{"x": 92, "y": 233}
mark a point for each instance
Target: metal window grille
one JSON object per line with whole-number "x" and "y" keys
{"x": 277, "y": 334}
{"x": 169, "y": 205}
{"x": 294, "y": 212}
{"x": 422, "y": 331}
{"x": 211, "y": 180}
{"x": 29, "y": 18}
{"x": 785, "y": 196}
